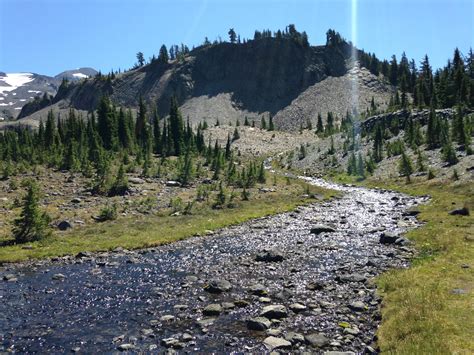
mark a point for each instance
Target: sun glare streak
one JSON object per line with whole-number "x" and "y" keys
{"x": 354, "y": 82}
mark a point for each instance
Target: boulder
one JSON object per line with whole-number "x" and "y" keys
{"x": 64, "y": 225}
{"x": 294, "y": 338}
{"x": 213, "y": 309}
{"x": 316, "y": 340}
{"x": 270, "y": 256}
{"x": 322, "y": 228}
{"x": 258, "y": 290}
{"x": 297, "y": 307}
{"x": 136, "y": 180}
{"x": 274, "y": 343}
{"x": 276, "y": 311}
{"x": 258, "y": 323}
{"x": 218, "y": 286}
{"x": 388, "y": 238}
{"x": 358, "y": 306}
{"x": 172, "y": 183}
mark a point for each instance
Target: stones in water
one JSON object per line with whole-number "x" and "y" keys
{"x": 275, "y": 311}
{"x": 258, "y": 323}
{"x": 10, "y": 278}
{"x": 388, "y": 238}
{"x": 274, "y": 343}
{"x": 358, "y": 306}
{"x": 297, "y": 307}
{"x": 258, "y": 290}
{"x": 295, "y": 338}
{"x": 126, "y": 347}
{"x": 315, "y": 286}
{"x": 58, "y": 277}
{"x": 322, "y": 228}
{"x": 270, "y": 256}
{"x": 213, "y": 309}
{"x": 351, "y": 278}
{"x": 167, "y": 318}
{"x": 171, "y": 343}
{"x": 317, "y": 340}
{"x": 460, "y": 212}
{"x": 218, "y": 286}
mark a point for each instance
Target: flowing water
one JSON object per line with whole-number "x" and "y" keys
{"x": 139, "y": 298}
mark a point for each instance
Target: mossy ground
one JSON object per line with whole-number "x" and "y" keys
{"x": 423, "y": 312}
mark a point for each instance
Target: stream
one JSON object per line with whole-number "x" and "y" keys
{"x": 315, "y": 291}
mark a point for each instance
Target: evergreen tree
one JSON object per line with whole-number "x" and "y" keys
{"x": 360, "y": 166}
{"x": 32, "y": 224}
{"x": 163, "y": 55}
{"x": 236, "y": 135}
{"x": 120, "y": 185}
{"x": 140, "y": 59}
{"x": 405, "y": 166}
{"x": 176, "y": 128}
{"x": 319, "y": 125}
{"x": 232, "y": 36}
{"x": 271, "y": 126}
{"x": 378, "y": 143}
{"x": 263, "y": 124}
{"x": 449, "y": 154}
{"x": 187, "y": 170}
{"x": 261, "y": 174}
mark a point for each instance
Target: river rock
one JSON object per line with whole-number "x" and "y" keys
{"x": 358, "y": 306}
{"x": 10, "y": 278}
{"x": 58, "y": 277}
{"x": 388, "y": 238}
{"x": 258, "y": 290}
{"x": 297, "y": 307}
{"x": 213, "y": 309}
{"x": 76, "y": 200}
{"x": 274, "y": 343}
{"x": 258, "y": 323}
{"x": 351, "y": 278}
{"x": 322, "y": 228}
{"x": 294, "y": 338}
{"x": 270, "y": 256}
{"x": 126, "y": 347}
{"x": 276, "y": 311}
{"x": 316, "y": 340}
{"x": 218, "y": 286}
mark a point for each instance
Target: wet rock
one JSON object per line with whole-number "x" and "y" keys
{"x": 388, "y": 238}
{"x": 10, "y": 278}
{"x": 76, "y": 200}
{"x": 460, "y": 212}
{"x": 295, "y": 338}
{"x": 315, "y": 285}
{"x": 317, "y": 340}
{"x": 167, "y": 318}
{"x": 228, "y": 305}
{"x": 297, "y": 307}
{"x": 75, "y": 349}
{"x": 265, "y": 299}
{"x": 351, "y": 331}
{"x": 218, "y": 286}
{"x": 83, "y": 254}
{"x": 276, "y": 311}
{"x": 258, "y": 323}
{"x": 351, "y": 278}
{"x": 242, "y": 303}
{"x": 171, "y": 343}
{"x": 358, "y": 306}
{"x": 258, "y": 290}
{"x": 64, "y": 225}
{"x": 274, "y": 343}
{"x": 402, "y": 241}
{"x": 213, "y": 309}
{"x": 322, "y": 228}
{"x": 186, "y": 337}
{"x": 126, "y": 347}
{"x": 58, "y": 277}
{"x": 270, "y": 256}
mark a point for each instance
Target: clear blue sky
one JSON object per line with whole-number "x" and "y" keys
{"x": 49, "y": 36}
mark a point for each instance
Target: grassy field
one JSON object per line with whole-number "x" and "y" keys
{"x": 143, "y": 231}
{"x": 423, "y": 312}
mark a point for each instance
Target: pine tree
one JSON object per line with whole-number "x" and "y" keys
{"x": 263, "y": 124}
{"x": 319, "y": 125}
{"x": 449, "y": 154}
{"x": 187, "y": 170}
{"x": 271, "y": 126}
{"x": 163, "y": 55}
{"x": 405, "y": 166}
{"x": 360, "y": 166}
{"x": 232, "y": 36}
{"x": 261, "y": 174}
{"x": 176, "y": 127}
{"x": 378, "y": 143}
{"x": 236, "y": 135}
{"x": 32, "y": 224}
{"x": 120, "y": 185}
{"x": 140, "y": 59}
{"x": 352, "y": 164}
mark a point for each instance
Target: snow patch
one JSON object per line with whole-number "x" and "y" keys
{"x": 35, "y": 91}
{"x": 15, "y": 80}
{"x": 80, "y": 75}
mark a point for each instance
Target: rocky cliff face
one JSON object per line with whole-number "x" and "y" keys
{"x": 227, "y": 82}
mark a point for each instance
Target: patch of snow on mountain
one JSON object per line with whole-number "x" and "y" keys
{"x": 15, "y": 80}
{"x": 80, "y": 75}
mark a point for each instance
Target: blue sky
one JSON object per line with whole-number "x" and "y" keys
{"x": 49, "y": 36}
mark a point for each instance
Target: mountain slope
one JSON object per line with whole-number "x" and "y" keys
{"x": 228, "y": 82}
{"x": 18, "y": 89}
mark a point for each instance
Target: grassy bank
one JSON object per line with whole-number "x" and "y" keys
{"x": 423, "y": 312}
{"x": 151, "y": 230}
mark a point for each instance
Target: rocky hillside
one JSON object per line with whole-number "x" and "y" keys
{"x": 19, "y": 89}
{"x": 229, "y": 81}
